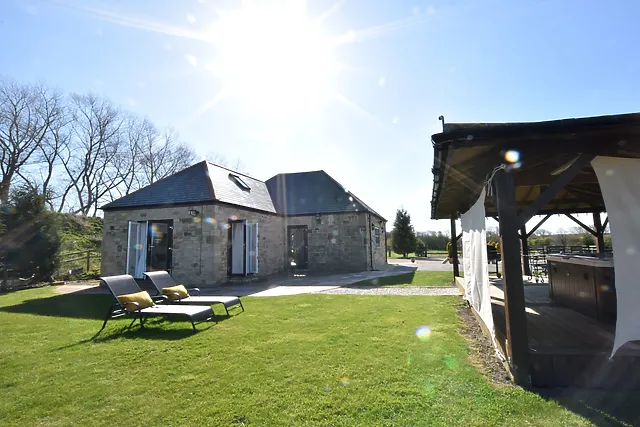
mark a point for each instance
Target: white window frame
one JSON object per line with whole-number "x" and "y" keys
{"x": 141, "y": 231}
{"x": 251, "y": 247}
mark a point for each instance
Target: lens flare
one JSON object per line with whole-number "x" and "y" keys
{"x": 423, "y": 333}
{"x": 512, "y": 156}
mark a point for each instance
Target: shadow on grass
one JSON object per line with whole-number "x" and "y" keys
{"x": 601, "y": 407}
{"x": 381, "y": 282}
{"x": 151, "y": 331}
{"x": 77, "y": 305}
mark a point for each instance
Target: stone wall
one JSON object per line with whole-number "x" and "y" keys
{"x": 199, "y": 243}
{"x": 340, "y": 242}
{"x": 378, "y": 244}
{"x": 271, "y": 238}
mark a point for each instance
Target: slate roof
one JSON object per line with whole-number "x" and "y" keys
{"x": 226, "y": 189}
{"x": 201, "y": 183}
{"x": 310, "y": 193}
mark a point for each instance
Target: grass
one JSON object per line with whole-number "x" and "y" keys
{"x": 417, "y": 278}
{"x": 307, "y": 360}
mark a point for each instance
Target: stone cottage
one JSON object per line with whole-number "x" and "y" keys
{"x": 207, "y": 223}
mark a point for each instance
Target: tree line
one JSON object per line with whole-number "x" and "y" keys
{"x": 80, "y": 150}
{"x": 405, "y": 240}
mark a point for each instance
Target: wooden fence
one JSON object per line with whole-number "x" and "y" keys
{"x": 80, "y": 261}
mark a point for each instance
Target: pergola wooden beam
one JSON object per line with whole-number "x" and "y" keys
{"x": 516, "y": 316}
{"x": 538, "y": 225}
{"x": 454, "y": 249}
{"x": 583, "y": 225}
{"x": 605, "y": 223}
{"x": 560, "y": 183}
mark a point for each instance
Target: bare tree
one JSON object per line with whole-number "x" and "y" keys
{"x": 43, "y": 179}
{"x": 218, "y": 159}
{"x": 127, "y": 162}
{"x": 162, "y": 155}
{"x": 563, "y": 237}
{"x": 27, "y": 113}
{"x": 92, "y": 162}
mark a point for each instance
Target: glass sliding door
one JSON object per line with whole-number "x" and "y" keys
{"x": 160, "y": 241}
{"x": 137, "y": 249}
{"x": 237, "y": 248}
{"x": 149, "y": 247}
{"x": 242, "y": 248}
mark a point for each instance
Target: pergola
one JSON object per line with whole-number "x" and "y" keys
{"x": 553, "y": 176}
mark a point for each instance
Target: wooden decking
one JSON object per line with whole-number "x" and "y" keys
{"x": 568, "y": 349}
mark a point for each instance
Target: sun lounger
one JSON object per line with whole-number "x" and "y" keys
{"x": 124, "y": 288}
{"x": 162, "y": 280}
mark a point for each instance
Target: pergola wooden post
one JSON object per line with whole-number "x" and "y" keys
{"x": 524, "y": 238}
{"x": 454, "y": 249}
{"x": 597, "y": 224}
{"x": 512, "y": 285}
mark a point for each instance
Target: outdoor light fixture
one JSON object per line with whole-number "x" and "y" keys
{"x": 193, "y": 212}
{"x": 318, "y": 219}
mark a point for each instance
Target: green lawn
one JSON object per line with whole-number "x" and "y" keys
{"x": 308, "y": 360}
{"x": 418, "y": 278}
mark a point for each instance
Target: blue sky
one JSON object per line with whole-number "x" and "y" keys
{"x": 380, "y": 74}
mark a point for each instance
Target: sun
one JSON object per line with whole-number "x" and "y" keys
{"x": 275, "y": 59}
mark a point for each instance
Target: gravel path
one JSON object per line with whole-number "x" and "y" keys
{"x": 390, "y": 290}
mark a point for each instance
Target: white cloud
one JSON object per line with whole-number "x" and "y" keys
{"x": 191, "y": 60}
{"x": 191, "y": 18}
{"x": 131, "y": 102}
{"x": 382, "y": 81}
{"x": 395, "y": 120}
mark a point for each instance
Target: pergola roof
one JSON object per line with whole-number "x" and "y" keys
{"x": 465, "y": 154}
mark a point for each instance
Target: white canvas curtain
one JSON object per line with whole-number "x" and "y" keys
{"x": 475, "y": 261}
{"x": 619, "y": 179}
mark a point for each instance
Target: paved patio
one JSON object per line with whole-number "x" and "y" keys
{"x": 300, "y": 284}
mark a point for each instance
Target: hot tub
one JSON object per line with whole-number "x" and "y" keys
{"x": 585, "y": 284}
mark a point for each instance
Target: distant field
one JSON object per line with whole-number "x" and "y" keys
{"x": 429, "y": 253}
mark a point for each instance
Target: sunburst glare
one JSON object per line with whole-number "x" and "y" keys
{"x": 274, "y": 58}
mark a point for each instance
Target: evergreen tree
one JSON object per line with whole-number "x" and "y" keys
{"x": 403, "y": 235}
{"x": 30, "y": 241}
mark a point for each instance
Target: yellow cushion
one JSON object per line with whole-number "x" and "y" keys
{"x": 142, "y": 298}
{"x": 178, "y": 289}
